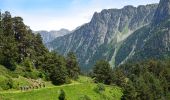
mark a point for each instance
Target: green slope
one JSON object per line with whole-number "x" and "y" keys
{"x": 75, "y": 91}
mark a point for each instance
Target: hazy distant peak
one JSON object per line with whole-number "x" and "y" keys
{"x": 49, "y": 36}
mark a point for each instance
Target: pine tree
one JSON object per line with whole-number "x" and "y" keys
{"x": 8, "y": 46}
{"x": 102, "y": 72}
{"x": 72, "y": 66}
{"x": 7, "y": 24}
{"x": 129, "y": 92}
{"x": 58, "y": 71}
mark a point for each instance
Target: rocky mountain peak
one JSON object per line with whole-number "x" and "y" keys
{"x": 163, "y": 12}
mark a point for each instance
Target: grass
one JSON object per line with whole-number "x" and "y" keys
{"x": 74, "y": 91}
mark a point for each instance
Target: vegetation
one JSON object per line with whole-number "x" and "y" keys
{"x": 62, "y": 95}
{"x": 82, "y": 89}
{"x": 72, "y": 66}
{"x": 147, "y": 80}
{"x": 85, "y": 97}
{"x": 102, "y": 72}
{"x": 100, "y": 88}
{"x": 23, "y": 54}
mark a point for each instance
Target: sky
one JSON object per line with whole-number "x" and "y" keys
{"x": 56, "y": 14}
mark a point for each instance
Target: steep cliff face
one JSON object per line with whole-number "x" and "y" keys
{"x": 103, "y": 35}
{"x": 151, "y": 41}
{"x": 163, "y": 12}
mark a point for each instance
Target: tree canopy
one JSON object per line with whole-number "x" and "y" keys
{"x": 102, "y": 72}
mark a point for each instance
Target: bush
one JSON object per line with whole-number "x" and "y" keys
{"x": 6, "y": 83}
{"x": 10, "y": 65}
{"x": 28, "y": 65}
{"x": 59, "y": 75}
{"x": 62, "y": 95}
{"x": 99, "y": 88}
{"x": 33, "y": 75}
{"x": 41, "y": 75}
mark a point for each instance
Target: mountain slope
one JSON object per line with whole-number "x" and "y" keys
{"x": 51, "y": 35}
{"x": 103, "y": 35}
{"x": 151, "y": 41}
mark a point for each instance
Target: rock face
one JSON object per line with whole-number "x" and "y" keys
{"x": 102, "y": 37}
{"x": 151, "y": 41}
{"x": 51, "y": 35}
{"x": 163, "y": 11}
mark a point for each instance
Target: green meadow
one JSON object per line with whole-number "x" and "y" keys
{"x": 77, "y": 90}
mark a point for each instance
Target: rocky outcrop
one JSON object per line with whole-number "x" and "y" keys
{"x": 163, "y": 12}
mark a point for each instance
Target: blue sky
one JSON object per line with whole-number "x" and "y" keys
{"x": 57, "y": 14}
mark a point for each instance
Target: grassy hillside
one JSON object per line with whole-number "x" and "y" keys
{"x": 74, "y": 91}
{"x": 15, "y": 79}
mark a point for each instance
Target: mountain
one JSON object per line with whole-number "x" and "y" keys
{"x": 151, "y": 41}
{"x": 103, "y": 35}
{"x": 163, "y": 12}
{"x": 51, "y": 35}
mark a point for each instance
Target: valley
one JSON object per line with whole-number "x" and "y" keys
{"x": 120, "y": 54}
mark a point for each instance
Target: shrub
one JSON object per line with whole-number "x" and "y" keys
{"x": 6, "y": 83}
{"x": 62, "y": 95}
{"x": 28, "y": 65}
{"x": 10, "y": 65}
{"x": 99, "y": 88}
{"x": 33, "y": 75}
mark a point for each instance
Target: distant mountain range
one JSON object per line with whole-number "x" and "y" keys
{"x": 49, "y": 36}
{"x": 120, "y": 35}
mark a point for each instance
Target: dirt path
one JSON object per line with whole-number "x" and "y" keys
{"x": 19, "y": 91}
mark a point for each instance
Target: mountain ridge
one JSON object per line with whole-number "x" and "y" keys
{"x": 152, "y": 41}
{"x": 49, "y": 36}
{"x": 103, "y": 34}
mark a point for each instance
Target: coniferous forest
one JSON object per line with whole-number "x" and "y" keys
{"x": 146, "y": 80}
